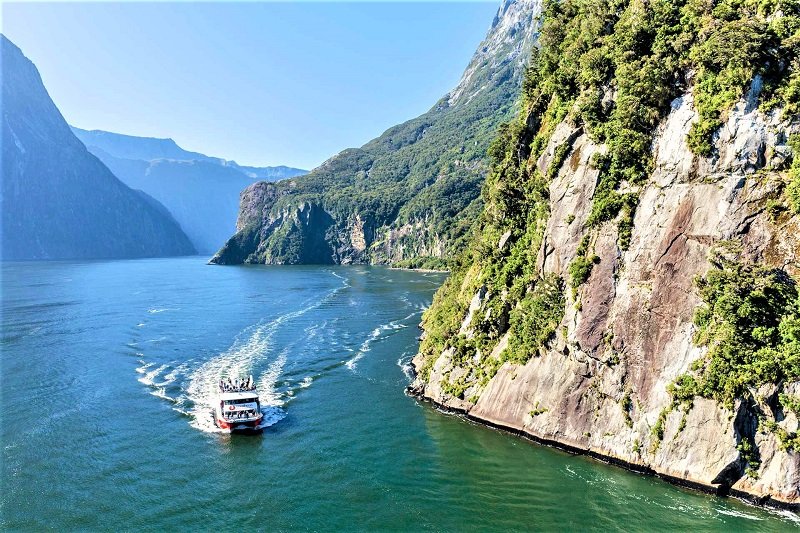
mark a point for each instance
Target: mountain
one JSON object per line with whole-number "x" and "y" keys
{"x": 58, "y": 200}
{"x": 201, "y": 192}
{"x": 631, "y": 291}
{"x": 407, "y": 197}
{"x": 148, "y": 149}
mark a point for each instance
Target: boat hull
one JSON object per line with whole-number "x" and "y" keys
{"x": 249, "y": 426}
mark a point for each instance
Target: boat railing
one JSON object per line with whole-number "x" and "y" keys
{"x": 229, "y": 415}
{"x": 236, "y": 389}
{"x": 237, "y": 385}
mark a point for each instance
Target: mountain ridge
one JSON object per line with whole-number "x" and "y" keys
{"x": 58, "y": 200}
{"x": 137, "y": 147}
{"x": 407, "y": 197}
{"x": 200, "y": 191}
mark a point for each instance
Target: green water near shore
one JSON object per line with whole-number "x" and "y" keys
{"x": 105, "y": 413}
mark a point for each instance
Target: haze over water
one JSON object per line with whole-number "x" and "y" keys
{"x": 107, "y": 373}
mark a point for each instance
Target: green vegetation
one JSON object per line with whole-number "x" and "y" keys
{"x": 657, "y": 431}
{"x": 560, "y": 155}
{"x": 749, "y": 452}
{"x": 423, "y": 263}
{"x": 421, "y": 179}
{"x": 535, "y": 319}
{"x": 627, "y": 404}
{"x": 611, "y": 68}
{"x": 793, "y": 191}
{"x": 443, "y": 319}
{"x": 790, "y": 403}
{"x": 579, "y": 271}
{"x": 682, "y": 424}
{"x": 644, "y": 50}
{"x": 789, "y": 441}
{"x": 750, "y": 323}
{"x": 456, "y": 389}
{"x": 536, "y": 411}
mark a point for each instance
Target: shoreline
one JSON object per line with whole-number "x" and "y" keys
{"x": 758, "y": 501}
{"x": 423, "y": 270}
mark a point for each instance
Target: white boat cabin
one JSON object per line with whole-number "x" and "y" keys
{"x": 239, "y": 405}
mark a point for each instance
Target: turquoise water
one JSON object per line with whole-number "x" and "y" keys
{"x": 106, "y": 370}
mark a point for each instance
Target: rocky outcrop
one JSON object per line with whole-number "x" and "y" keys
{"x": 411, "y": 195}
{"x": 601, "y": 384}
{"x": 58, "y": 200}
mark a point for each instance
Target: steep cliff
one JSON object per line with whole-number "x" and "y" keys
{"x": 58, "y": 200}
{"x": 632, "y": 291}
{"x": 408, "y": 196}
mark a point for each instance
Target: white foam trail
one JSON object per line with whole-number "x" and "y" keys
{"x": 345, "y": 281}
{"x": 272, "y": 415}
{"x": 171, "y": 376}
{"x": 161, "y": 392}
{"x": 203, "y": 382}
{"x": 142, "y": 369}
{"x": 266, "y": 383}
{"x": 738, "y": 514}
{"x": 306, "y": 382}
{"x": 156, "y": 310}
{"x": 239, "y": 360}
{"x": 365, "y": 347}
{"x": 251, "y": 346}
{"x": 148, "y": 377}
{"x": 375, "y": 335}
{"x": 789, "y": 515}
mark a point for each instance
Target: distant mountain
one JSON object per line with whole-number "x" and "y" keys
{"x": 200, "y": 191}
{"x": 58, "y": 200}
{"x": 148, "y": 149}
{"x": 408, "y": 197}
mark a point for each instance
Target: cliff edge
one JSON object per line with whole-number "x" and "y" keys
{"x": 632, "y": 291}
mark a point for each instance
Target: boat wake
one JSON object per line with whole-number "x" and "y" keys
{"x": 378, "y": 334}
{"x": 192, "y": 386}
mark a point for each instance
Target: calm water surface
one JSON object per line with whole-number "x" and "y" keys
{"x": 107, "y": 369}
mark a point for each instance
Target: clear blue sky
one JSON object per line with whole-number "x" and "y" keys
{"x": 260, "y": 83}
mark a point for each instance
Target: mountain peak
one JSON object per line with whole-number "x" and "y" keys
{"x": 58, "y": 200}
{"x": 509, "y": 40}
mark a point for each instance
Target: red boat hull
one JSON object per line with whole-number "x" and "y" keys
{"x": 250, "y": 425}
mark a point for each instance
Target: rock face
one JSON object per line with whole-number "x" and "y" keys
{"x": 201, "y": 192}
{"x": 58, "y": 200}
{"x": 409, "y": 196}
{"x": 601, "y": 384}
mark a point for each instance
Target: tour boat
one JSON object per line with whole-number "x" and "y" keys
{"x": 238, "y": 409}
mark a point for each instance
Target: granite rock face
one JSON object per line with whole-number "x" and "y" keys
{"x": 601, "y": 383}
{"x": 58, "y": 200}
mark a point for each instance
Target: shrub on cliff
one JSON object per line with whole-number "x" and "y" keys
{"x": 794, "y": 174}
{"x": 750, "y": 323}
{"x": 612, "y": 68}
